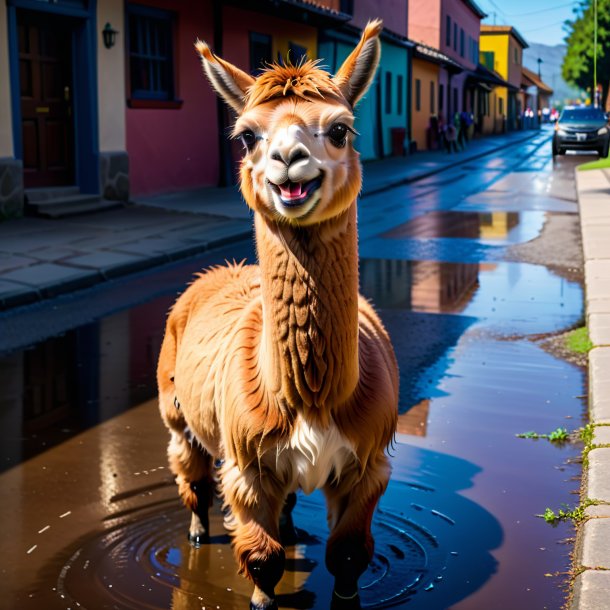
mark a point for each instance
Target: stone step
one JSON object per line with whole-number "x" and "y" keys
{"x": 63, "y": 209}
{"x": 37, "y": 195}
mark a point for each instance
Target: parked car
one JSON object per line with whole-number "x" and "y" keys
{"x": 582, "y": 128}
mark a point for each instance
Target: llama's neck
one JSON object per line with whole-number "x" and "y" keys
{"x": 309, "y": 280}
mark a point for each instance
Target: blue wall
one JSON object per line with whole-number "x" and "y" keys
{"x": 373, "y": 123}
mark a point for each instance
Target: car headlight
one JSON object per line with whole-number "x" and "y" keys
{"x": 562, "y": 132}
{"x": 602, "y": 132}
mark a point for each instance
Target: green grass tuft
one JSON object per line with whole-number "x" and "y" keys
{"x": 601, "y": 163}
{"x": 560, "y": 435}
{"x": 578, "y": 341}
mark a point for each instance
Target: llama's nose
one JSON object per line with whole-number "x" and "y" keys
{"x": 291, "y": 155}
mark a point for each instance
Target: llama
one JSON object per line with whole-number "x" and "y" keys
{"x": 281, "y": 370}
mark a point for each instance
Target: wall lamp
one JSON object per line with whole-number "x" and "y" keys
{"x": 109, "y": 36}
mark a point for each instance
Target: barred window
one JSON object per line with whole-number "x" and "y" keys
{"x": 150, "y": 49}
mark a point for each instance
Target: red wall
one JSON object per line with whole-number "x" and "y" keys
{"x": 169, "y": 149}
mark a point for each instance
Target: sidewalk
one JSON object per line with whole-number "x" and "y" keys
{"x": 41, "y": 258}
{"x": 592, "y": 555}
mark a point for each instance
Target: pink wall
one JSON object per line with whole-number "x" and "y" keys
{"x": 466, "y": 20}
{"x": 176, "y": 149}
{"x": 425, "y": 22}
{"x": 393, "y": 13}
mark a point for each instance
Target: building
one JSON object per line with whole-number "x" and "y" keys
{"x": 444, "y": 65}
{"x": 502, "y": 51}
{"x": 102, "y": 100}
{"x": 537, "y": 95}
{"x": 382, "y": 116}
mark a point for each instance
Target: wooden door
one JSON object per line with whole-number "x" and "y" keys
{"x": 45, "y": 73}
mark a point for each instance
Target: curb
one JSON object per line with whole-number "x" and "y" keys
{"x": 591, "y": 587}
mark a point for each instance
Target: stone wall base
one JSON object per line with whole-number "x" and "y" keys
{"x": 114, "y": 175}
{"x": 11, "y": 188}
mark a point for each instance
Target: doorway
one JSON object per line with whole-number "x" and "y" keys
{"x": 46, "y": 85}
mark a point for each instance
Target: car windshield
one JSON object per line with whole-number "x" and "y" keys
{"x": 583, "y": 114}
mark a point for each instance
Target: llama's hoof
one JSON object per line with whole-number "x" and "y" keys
{"x": 196, "y": 540}
{"x": 271, "y": 606}
{"x": 345, "y": 602}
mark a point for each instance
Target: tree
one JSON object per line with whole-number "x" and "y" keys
{"x": 577, "y": 66}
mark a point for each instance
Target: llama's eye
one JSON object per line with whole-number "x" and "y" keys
{"x": 337, "y": 134}
{"x": 248, "y": 138}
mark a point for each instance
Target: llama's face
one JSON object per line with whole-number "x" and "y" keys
{"x": 299, "y": 163}
{"x": 297, "y": 126}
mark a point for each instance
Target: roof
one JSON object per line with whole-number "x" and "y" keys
{"x": 483, "y": 74}
{"x": 475, "y": 8}
{"x": 504, "y": 29}
{"x": 423, "y": 51}
{"x": 533, "y": 79}
{"x": 308, "y": 12}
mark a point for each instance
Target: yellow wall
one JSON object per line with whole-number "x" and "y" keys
{"x": 111, "y": 78}
{"x": 426, "y": 72}
{"x": 498, "y": 45}
{"x": 298, "y": 34}
{"x": 6, "y": 125}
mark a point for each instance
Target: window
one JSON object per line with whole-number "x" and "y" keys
{"x": 455, "y": 100}
{"x": 150, "y": 49}
{"x": 417, "y": 94}
{"x": 388, "y": 92}
{"x": 260, "y": 52}
{"x": 441, "y": 97}
{"x": 432, "y": 100}
{"x": 501, "y": 104}
{"x": 448, "y": 31}
{"x": 455, "y": 36}
{"x": 347, "y": 6}
{"x": 399, "y": 87}
{"x": 462, "y": 46}
{"x": 296, "y": 53}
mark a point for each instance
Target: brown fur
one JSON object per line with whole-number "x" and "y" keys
{"x": 249, "y": 351}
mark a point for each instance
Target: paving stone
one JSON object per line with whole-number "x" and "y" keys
{"x": 9, "y": 262}
{"x": 108, "y": 263}
{"x": 598, "y": 511}
{"x": 598, "y": 306}
{"x": 601, "y": 435}
{"x": 599, "y": 327}
{"x": 599, "y": 383}
{"x": 599, "y": 288}
{"x": 591, "y": 590}
{"x": 597, "y": 269}
{"x": 598, "y": 481}
{"x": 595, "y": 544}
{"x": 45, "y": 275}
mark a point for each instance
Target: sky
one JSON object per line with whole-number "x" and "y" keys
{"x": 536, "y": 20}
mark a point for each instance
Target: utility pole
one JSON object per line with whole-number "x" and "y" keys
{"x": 595, "y": 103}
{"x": 539, "y": 62}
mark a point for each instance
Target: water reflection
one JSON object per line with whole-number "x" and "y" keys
{"x": 493, "y": 226}
{"x": 71, "y": 382}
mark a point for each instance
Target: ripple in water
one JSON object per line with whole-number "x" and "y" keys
{"x": 147, "y": 562}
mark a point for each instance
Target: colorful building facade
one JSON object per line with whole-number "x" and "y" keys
{"x": 502, "y": 50}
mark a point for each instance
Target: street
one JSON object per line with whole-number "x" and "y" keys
{"x": 469, "y": 269}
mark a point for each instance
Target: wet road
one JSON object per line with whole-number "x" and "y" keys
{"x": 91, "y": 513}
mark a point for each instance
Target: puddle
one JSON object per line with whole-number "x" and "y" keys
{"x": 496, "y": 227}
{"x": 505, "y": 298}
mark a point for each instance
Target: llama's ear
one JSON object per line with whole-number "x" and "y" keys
{"x": 228, "y": 81}
{"x": 356, "y": 74}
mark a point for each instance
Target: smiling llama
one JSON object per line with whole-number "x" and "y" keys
{"x": 282, "y": 370}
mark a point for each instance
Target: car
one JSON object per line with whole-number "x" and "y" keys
{"x": 582, "y": 128}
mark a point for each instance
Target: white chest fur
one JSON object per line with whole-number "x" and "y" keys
{"x": 313, "y": 453}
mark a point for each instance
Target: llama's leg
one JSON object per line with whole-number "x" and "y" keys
{"x": 288, "y": 534}
{"x": 351, "y": 503}
{"x": 256, "y": 499}
{"x": 192, "y": 466}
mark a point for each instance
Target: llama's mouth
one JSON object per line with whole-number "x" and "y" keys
{"x": 295, "y": 194}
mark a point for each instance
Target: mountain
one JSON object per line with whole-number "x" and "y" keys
{"x": 550, "y": 70}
